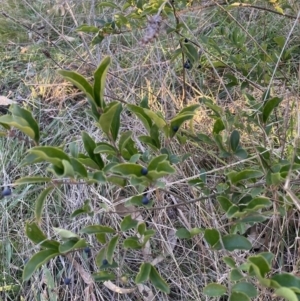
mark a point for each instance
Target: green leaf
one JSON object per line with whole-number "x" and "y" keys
{"x": 234, "y": 140}
{"x": 218, "y": 126}
{"x": 128, "y": 169}
{"x": 132, "y": 243}
{"x": 108, "y": 4}
{"x": 100, "y": 257}
{"x": 270, "y": 105}
{"x": 50, "y": 154}
{"x": 95, "y": 229}
{"x": 128, "y": 223}
{"x": 149, "y": 141}
{"x": 286, "y": 280}
{"x": 78, "y": 168}
{"x": 178, "y": 120}
{"x": 110, "y": 120}
{"x": 233, "y": 242}
{"x": 99, "y": 83}
{"x": 224, "y": 202}
{"x": 160, "y": 122}
{"x": 158, "y": 281}
{"x": 111, "y": 249}
{"x": 191, "y": 52}
{"x": 246, "y": 288}
{"x": 246, "y": 174}
{"x": 214, "y": 290}
{"x": 36, "y": 261}
{"x": 39, "y": 204}
{"x": 144, "y": 272}
{"x": 237, "y": 296}
{"x": 141, "y": 228}
{"x": 183, "y": 233}
{"x": 79, "y": 81}
{"x": 103, "y": 276}
{"x": 35, "y": 234}
{"x": 99, "y": 177}
{"x": 235, "y": 275}
{"x": 105, "y": 148}
{"x": 32, "y": 180}
{"x": 229, "y": 261}
{"x": 87, "y": 28}
{"x": 258, "y": 203}
{"x": 90, "y": 146}
{"x": 155, "y": 161}
{"x": 140, "y": 113}
{"x": 27, "y": 116}
{"x": 85, "y": 209}
{"x": 260, "y": 267}
{"x": 286, "y": 293}
{"x": 70, "y": 245}
{"x": 212, "y": 236}
{"x": 66, "y": 234}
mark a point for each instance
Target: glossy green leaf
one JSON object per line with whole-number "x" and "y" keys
{"x": 140, "y": 113}
{"x": 79, "y": 81}
{"x": 95, "y": 229}
{"x": 218, "y": 126}
{"x": 246, "y": 174}
{"x": 158, "y": 281}
{"x": 99, "y": 83}
{"x": 245, "y": 287}
{"x": 224, "y": 202}
{"x": 286, "y": 293}
{"x": 132, "y": 243}
{"x": 128, "y": 169}
{"x": 110, "y": 119}
{"x": 128, "y": 223}
{"x": 286, "y": 280}
{"x": 214, "y": 290}
{"x": 99, "y": 176}
{"x": 90, "y": 146}
{"x": 270, "y": 105}
{"x": 234, "y": 140}
{"x": 87, "y": 28}
{"x": 105, "y": 148}
{"x": 100, "y": 257}
{"x": 103, "y": 276}
{"x": 233, "y": 242}
{"x": 155, "y": 161}
{"x": 50, "y": 154}
{"x": 85, "y": 209}
{"x": 141, "y": 228}
{"x": 235, "y": 275}
{"x": 258, "y": 203}
{"x": 160, "y": 122}
{"x": 144, "y": 272}
{"x": 111, "y": 248}
{"x": 183, "y": 233}
{"x": 149, "y": 141}
{"x": 35, "y": 234}
{"x": 237, "y": 296}
{"x": 78, "y": 168}
{"x": 32, "y": 180}
{"x": 241, "y": 153}
{"x": 260, "y": 267}
{"x": 39, "y": 204}
{"x": 165, "y": 167}
{"x": 36, "y": 261}
{"x": 177, "y": 121}
{"x": 212, "y": 236}
{"x": 66, "y": 234}
{"x": 229, "y": 261}
{"x": 71, "y": 245}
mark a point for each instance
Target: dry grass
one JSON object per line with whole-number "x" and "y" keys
{"x": 137, "y": 71}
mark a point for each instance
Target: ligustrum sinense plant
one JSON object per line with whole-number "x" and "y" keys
{"x": 256, "y": 186}
{"x": 246, "y": 194}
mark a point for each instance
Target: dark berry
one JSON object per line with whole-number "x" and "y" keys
{"x": 6, "y": 191}
{"x": 104, "y": 262}
{"x": 144, "y": 171}
{"x": 186, "y": 40}
{"x": 87, "y": 250}
{"x": 67, "y": 281}
{"x": 187, "y": 65}
{"x": 175, "y": 128}
{"x": 145, "y": 200}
